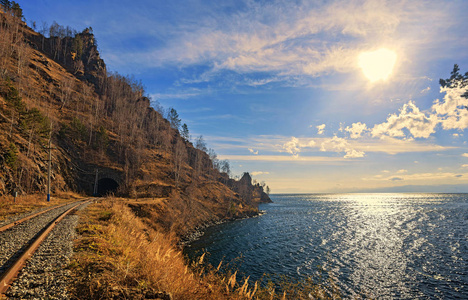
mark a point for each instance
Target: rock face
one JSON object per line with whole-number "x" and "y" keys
{"x": 251, "y": 192}
{"x": 83, "y": 59}
{"x": 77, "y": 53}
{"x": 86, "y": 54}
{"x": 246, "y": 180}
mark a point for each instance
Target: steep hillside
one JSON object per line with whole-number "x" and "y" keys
{"x": 105, "y": 136}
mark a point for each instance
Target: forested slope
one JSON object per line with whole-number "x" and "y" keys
{"x": 103, "y": 129}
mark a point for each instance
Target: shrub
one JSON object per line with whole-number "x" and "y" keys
{"x": 102, "y": 139}
{"x": 33, "y": 118}
{"x": 11, "y": 95}
{"x": 11, "y": 157}
{"x": 78, "y": 129}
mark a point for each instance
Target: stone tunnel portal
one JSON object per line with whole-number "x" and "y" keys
{"x": 106, "y": 186}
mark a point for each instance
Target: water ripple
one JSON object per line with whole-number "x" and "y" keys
{"x": 384, "y": 246}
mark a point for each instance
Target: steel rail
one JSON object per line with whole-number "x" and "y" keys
{"x": 8, "y": 277}
{"x": 17, "y": 222}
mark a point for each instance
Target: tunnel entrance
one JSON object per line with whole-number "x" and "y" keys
{"x": 106, "y": 186}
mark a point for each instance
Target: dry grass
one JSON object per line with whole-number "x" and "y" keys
{"x": 195, "y": 205}
{"x": 122, "y": 258}
{"x": 119, "y": 256}
{"x": 24, "y": 203}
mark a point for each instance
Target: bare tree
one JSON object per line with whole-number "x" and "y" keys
{"x": 225, "y": 166}
{"x": 200, "y": 144}
{"x": 214, "y": 161}
{"x": 180, "y": 156}
{"x": 43, "y": 32}
{"x": 23, "y": 55}
{"x": 7, "y": 41}
{"x": 66, "y": 89}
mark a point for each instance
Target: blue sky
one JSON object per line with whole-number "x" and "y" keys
{"x": 276, "y": 87}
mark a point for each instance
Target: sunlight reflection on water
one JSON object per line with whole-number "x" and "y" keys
{"x": 373, "y": 245}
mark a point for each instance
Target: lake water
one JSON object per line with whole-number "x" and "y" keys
{"x": 384, "y": 246}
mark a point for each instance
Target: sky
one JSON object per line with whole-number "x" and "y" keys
{"x": 280, "y": 88}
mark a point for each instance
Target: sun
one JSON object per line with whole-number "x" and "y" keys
{"x": 377, "y": 65}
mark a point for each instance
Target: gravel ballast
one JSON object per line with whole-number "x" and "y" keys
{"x": 45, "y": 275}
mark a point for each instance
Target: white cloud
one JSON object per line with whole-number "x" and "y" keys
{"x": 352, "y": 153}
{"x": 272, "y": 144}
{"x": 385, "y": 144}
{"x": 402, "y": 171}
{"x": 292, "y": 146}
{"x": 465, "y": 154}
{"x": 320, "y": 129}
{"x": 176, "y": 95}
{"x": 337, "y": 144}
{"x": 289, "y": 45}
{"x": 284, "y": 158}
{"x": 410, "y": 118}
{"x": 356, "y": 129}
{"x": 256, "y": 173}
{"x": 432, "y": 176}
{"x": 465, "y": 166}
{"x": 395, "y": 146}
{"x": 411, "y": 122}
{"x": 452, "y": 111}
{"x": 295, "y": 145}
{"x": 426, "y": 90}
{"x": 281, "y": 37}
{"x": 253, "y": 151}
{"x": 334, "y": 144}
{"x": 260, "y": 82}
{"x": 423, "y": 177}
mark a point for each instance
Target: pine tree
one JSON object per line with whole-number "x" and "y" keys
{"x": 185, "y": 132}
{"x": 6, "y": 5}
{"x": 174, "y": 119}
{"x": 16, "y": 10}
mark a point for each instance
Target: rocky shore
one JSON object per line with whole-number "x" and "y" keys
{"x": 199, "y": 231}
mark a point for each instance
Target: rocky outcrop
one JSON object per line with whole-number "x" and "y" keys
{"x": 85, "y": 53}
{"x": 77, "y": 53}
{"x": 253, "y": 193}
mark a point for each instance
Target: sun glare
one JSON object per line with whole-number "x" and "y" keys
{"x": 377, "y": 65}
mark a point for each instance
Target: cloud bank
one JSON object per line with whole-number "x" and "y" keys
{"x": 399, "y": 130}
{"x": 282, "y": 40}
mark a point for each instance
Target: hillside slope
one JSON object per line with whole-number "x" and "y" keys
{"x": 103, "y": 130}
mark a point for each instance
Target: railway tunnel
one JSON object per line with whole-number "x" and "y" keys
{"x": 106, "y": 186}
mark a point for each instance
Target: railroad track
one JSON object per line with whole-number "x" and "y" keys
{"x": 17, "y": 222}
{"x": 20, "y": 239}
